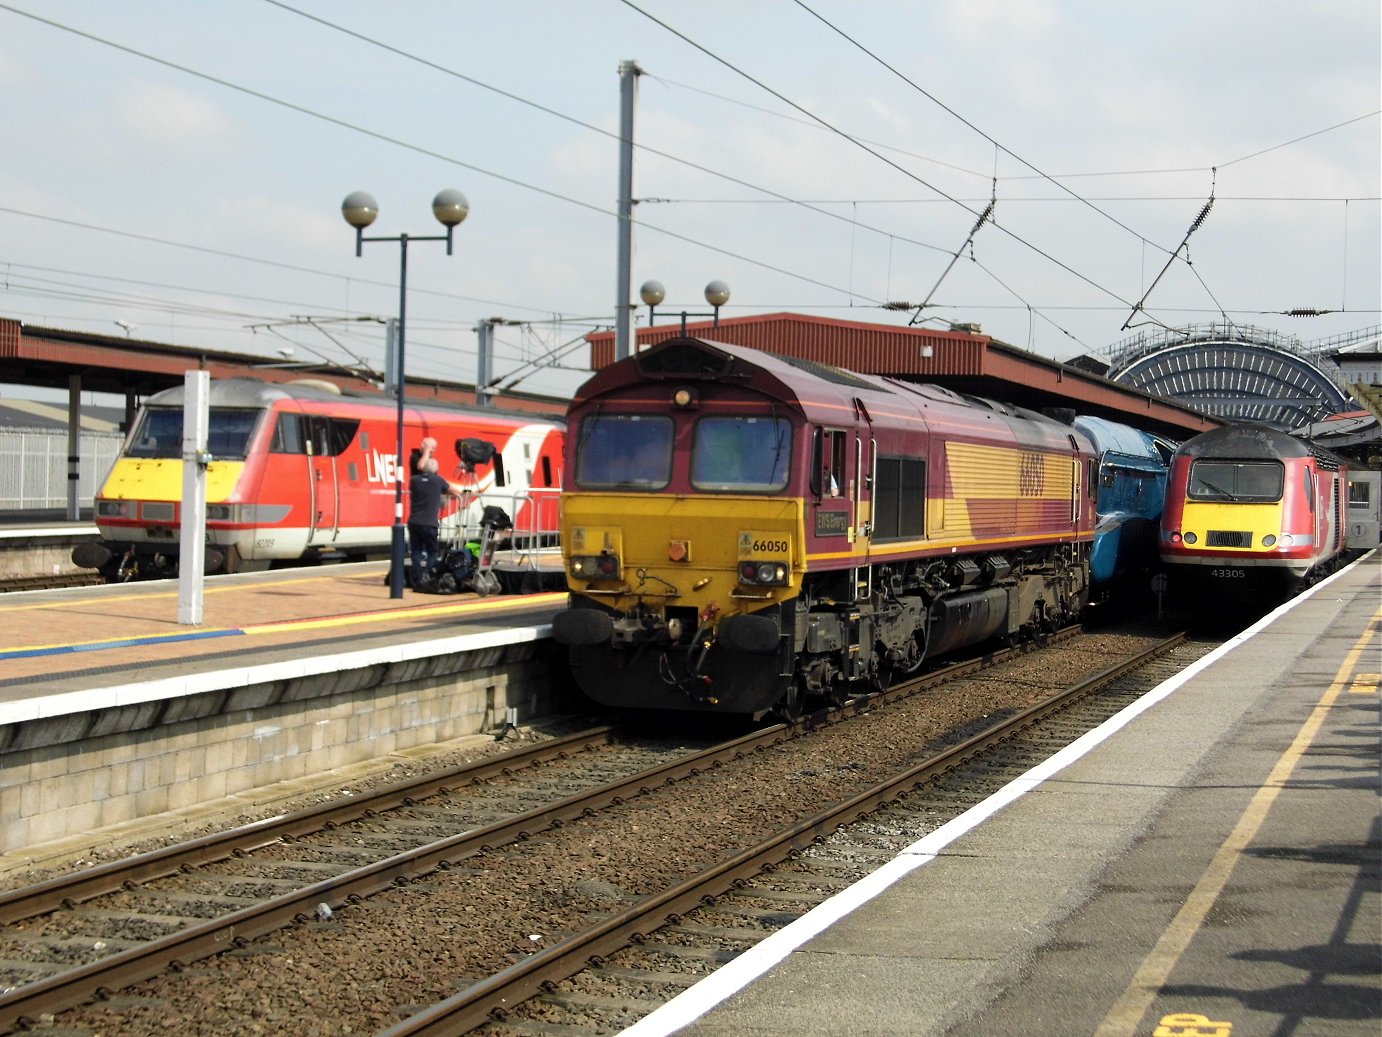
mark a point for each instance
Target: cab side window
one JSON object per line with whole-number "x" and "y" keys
{"x": 828, "y": 463}
{"x": 289, "y": 435}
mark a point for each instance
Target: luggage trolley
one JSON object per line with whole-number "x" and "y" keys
{"x": 467, "y": 557}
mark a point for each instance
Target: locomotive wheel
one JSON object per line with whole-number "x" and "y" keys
{"x": 790, "y": 707}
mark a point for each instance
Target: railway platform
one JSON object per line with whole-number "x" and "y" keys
{"x": 38, "y": 544}
{"x": 1205, "y": 864}
{"x": 113, "y": 712}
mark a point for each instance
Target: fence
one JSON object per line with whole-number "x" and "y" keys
{"x": 33, "y": 468}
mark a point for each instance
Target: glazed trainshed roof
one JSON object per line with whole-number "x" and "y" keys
{"x": 970, "y": 363}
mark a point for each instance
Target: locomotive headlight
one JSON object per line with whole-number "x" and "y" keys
{"x": 1268, "y": 540}
{"x": 595, "y": 567}
{"x": 1287, "y": 540}
{"x": 1191, "y": 538}
{"x": 218, "y": 512}
{"x": 767, "y": 574}
{"x": 115, "y": 508}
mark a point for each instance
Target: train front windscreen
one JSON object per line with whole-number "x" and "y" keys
{"x": 158, "y": 433}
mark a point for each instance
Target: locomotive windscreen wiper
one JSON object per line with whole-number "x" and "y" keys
{"x": 1214, "y": 488}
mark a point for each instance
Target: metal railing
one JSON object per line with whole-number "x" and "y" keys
{"x": 33, "y": 467}
{"x": 536, "y": 516}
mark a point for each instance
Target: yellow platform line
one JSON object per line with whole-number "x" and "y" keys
{"x": 506, "y": 604}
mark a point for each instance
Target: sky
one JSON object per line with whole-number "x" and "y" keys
{"x": 174, "y": 170}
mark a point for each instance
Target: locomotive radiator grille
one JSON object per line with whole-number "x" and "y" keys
{"x": 1229, "y": 538}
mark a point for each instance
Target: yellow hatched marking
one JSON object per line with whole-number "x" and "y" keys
{"x": 1188, "y": 1024}
{"x": 1365, "y": 683}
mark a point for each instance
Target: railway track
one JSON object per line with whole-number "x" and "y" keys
{"x": 44, "y": 582}
{"x": 309, "y": 872}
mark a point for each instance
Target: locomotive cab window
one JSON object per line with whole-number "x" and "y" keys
{"x": 828, "y": 463}
{"x": 159, "y": 433}
{"x": 289, "y": 435}
{"x": 741, "y": 454}
{"x": 331, "y": 437}
{"x": 1237, "y": 481}
{"x": 624, "y": 452}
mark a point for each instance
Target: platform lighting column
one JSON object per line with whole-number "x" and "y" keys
{"x": 360, "y": 210}
{"x": 716, "y": 293}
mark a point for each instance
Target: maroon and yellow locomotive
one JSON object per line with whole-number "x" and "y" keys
{"x": 743, "y": 532}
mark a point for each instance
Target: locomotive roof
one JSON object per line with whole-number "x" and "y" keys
{"x": 685, "y": 357}
{"x": 1123, "y": 439}
{"x": 1250, "y": 442}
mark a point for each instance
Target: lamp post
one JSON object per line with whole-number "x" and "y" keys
{"x": 359, "y": 209}
{"x": 716, "y": 293}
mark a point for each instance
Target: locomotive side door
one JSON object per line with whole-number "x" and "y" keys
{"x": 324, "y": 490}
{"x": 861, "y": 496}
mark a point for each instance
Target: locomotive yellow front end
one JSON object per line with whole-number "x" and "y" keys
{"x": 672, "y": 607}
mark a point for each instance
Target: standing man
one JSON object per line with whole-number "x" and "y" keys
{"x": 425, "y": 491}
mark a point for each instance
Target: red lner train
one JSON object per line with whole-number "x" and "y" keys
{"x": 745, "y": 532}
{"x": 299, "y": 471}
{"x": 1252, "y": 515}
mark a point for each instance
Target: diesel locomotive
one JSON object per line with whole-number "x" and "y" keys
{"x": 1252, "y": 515}
{"x": 299, "y": 470}
{"x": 744, "y": 532}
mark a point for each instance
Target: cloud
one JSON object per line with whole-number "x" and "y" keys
{"x": 172, "y": 120}
{"x": 896, "y": 122}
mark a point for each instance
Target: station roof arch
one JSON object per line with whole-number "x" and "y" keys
{"x": 1235, "y": 372}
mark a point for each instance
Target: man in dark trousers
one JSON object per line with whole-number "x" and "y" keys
{"x": 425, "y": 491}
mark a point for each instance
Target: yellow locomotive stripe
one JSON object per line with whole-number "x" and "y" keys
{"x": 999, "y": 487}
{"x": 909, "y": 548}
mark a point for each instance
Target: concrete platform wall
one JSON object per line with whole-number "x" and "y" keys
{"x": 62, "y": 780}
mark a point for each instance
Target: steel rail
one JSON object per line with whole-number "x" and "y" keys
{"x": 64, "y": 890}
{"x": 492, "y": 998}
{"x": 24, "y": 1005}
